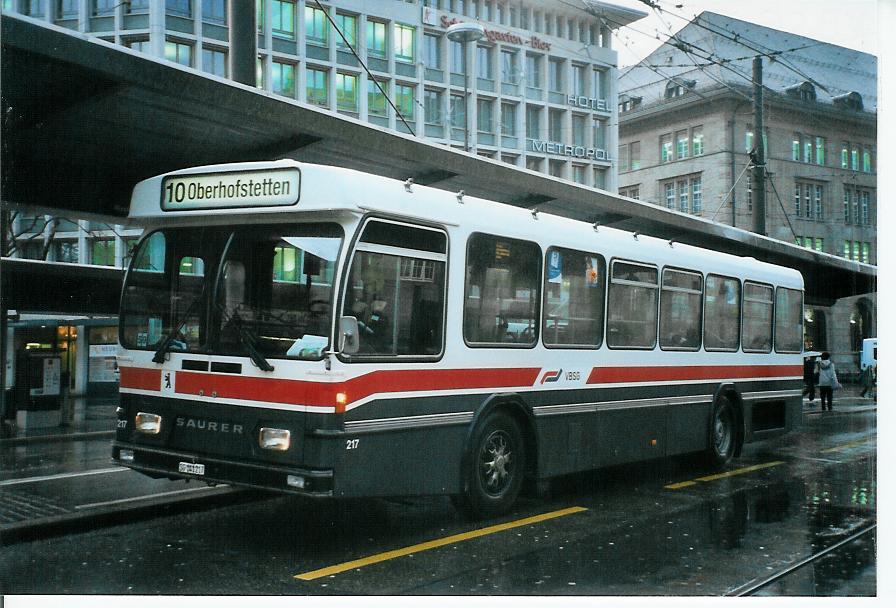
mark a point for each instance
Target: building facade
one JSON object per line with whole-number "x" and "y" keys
{"x": 537, "y": 91}
{"x": 542, "y": 80}
{"x": 687, "y": 132}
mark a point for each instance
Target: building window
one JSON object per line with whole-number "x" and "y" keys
{"x": 807, "y": 149}
{"x": 797, "y": 200}
{"x": 432, "y": 51}
{"x": 456, "y": 56}
{"x": 509, "y": 69}
{"x": 555, "y": 125}
{"x": 67, "y": 251}
{"x": 214, "y": 62}
{"x": 854, "y": 158}
{"x": 533, "y": 122}
{"x": 555, "y": 74}
{"x": 819, "y": 206}
{"x": 484, "y": 111}
{"x": 214, "y": 11}
{"x": 866, "y": 160}
{"x": 179, "y": 7}
{"x": 100, "y": 7}
{"x": 866, "y": 253}
{"x": 795, "y": 148}
{"x": 856, "y": 250}
{"x": 578, "y": 80}
{"x": 670, "y": 195}
{"x": 404, "y": 100}
{"x": 376, "y": 99}
{"x": 597, "y": 83}
{"x": 697, "y": 195}
{"x": 348, "y": 25}
{"x": 458, "y": 111}
{"x": 346, "y": 92}
{"x": 102, "y": 252}
{"x": 404, "y": 43}
{"x": 846, "y": 249}
{"x": 820, "y": 144}
{"x": 578, "y": 130}
{"x": 259, "y": 72}
{"x": 865, "y": 197}
{"x": 844, "y": 155}
{"x": 683, "y": 195}
{"x": 697, "y": 140}
{"x": 578, "y": 173}
{"x": 508, "y": 119}
{"x": 432, "y": 107}
{"x": 316, "y": 26}
{"x": 635, "y": 155}
{"x": 376, "y": 39}
{"x": 283, "y": 19}
{"x": 317, "y": 87}
{"x": 179, "y": 52}
{"x": 484, "y": 62}
{"x": 665, "y": 148}
{"x": 533, "y": 71}
{"x": 283, "y": 79}
{"x": 65, "y": 8}
{"x": 681, "y": 144}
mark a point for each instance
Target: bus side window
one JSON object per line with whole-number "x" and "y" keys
{"x": 573, "y": 298}
{"x": 631, "y": 305}
{"x": 757, "y": 330}
{"x": 681, "y": 308}
{"x": 721, "y": 304}
{"x": 501, "y": 291}
{"x": 788, "y": 320}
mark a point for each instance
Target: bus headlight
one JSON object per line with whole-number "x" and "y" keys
{"x": 147, "y": 423}
{"x": 273, "y": 439}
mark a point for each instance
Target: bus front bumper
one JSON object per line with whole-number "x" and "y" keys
{"x": 157, "y": 462}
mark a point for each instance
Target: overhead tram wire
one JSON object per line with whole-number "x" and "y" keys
{"x": 740, "y": 39}
{"x": 364, "y": 65}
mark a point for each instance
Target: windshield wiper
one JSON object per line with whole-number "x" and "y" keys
{"x": 247, "y": 339}
{"x": 159, "y": 357}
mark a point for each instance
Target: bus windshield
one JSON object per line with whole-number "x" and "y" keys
{"x": 262, "y": 291}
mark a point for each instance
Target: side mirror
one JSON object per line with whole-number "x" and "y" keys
{"x": 348, "y": 335}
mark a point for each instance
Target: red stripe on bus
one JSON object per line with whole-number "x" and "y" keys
{"x": 601, "y": 375}
{"x": 323, "y": 394}
{"x": 140, "y": 378}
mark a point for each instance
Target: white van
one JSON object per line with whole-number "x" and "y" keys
{"x": 869, "y": 353}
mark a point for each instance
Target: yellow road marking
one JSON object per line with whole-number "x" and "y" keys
{"x": 433, "y": 544}
{"x": 741, "y": 471}
{"x": 846, "y": 446}
{"x": 680, "y": 485}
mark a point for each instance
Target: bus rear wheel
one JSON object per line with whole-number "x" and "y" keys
{"x": 722, "y": 433}
{"x": 495, "y": 469}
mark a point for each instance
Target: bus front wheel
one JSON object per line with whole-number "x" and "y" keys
{"x": 722, "y": 433}
{"x": 495, "y": 467}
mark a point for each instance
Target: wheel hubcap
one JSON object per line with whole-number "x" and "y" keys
{"x": 496, "y": 463}
{"x": 723, "y": 430}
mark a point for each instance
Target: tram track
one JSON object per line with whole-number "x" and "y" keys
{"x": 755, "y": 585}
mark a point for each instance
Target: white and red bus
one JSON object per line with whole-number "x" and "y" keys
{"x": 322, "y": 331}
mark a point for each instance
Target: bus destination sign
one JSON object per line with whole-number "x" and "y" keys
{"x": 271, "y": 188}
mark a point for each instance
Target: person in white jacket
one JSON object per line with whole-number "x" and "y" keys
{"x": 827, "y": 381}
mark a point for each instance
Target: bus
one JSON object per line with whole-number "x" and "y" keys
{"x": 322, "y": 331}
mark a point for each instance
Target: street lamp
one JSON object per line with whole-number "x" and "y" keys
{"x": 464, "y": 33}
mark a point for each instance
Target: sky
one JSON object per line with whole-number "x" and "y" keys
{"x": 849, "y": 23}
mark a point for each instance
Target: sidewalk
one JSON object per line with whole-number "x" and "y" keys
{"x": 846, "y": 400}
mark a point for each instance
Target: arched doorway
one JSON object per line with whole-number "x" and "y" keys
{"x": 860, "y": 323}
{"x": 815, "y": 335}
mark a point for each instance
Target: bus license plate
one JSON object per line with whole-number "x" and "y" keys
{"x": 191, "y": 468}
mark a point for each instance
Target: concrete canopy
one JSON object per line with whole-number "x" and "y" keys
{"x": 84, "y": 120}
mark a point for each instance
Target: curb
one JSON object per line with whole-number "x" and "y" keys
{"x": 83, "y": 521}
{"x": 77, "y": 436}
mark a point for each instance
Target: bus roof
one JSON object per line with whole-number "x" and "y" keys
{"x": 281, "y": 190}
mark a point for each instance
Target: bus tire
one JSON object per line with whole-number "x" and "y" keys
{"x": 722, "y": 433}
{"x": 495, "y": 468}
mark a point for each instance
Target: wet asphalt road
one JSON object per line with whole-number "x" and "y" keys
{"x": 649, "y": 529}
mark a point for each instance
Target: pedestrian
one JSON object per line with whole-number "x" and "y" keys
{"x": 867, "y": 380}
{"x": 809, "y": 378}
{"x": 827, "y": 381}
